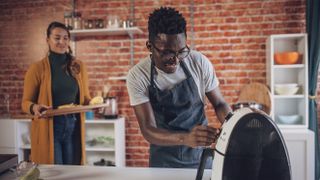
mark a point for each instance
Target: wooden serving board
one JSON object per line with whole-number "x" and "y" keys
{"x": 256, "y": 92}
{"x": 71, "y": 110}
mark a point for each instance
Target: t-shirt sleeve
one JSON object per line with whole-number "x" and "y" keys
{"x": 210, "y": 79}
{"x": 137, "y": 88}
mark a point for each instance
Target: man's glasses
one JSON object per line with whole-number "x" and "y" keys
{"x": 167, "y": 54}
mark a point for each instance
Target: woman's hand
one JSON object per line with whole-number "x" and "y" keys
{"x": 38, "y": 109}
{"x": 201, "y": 136}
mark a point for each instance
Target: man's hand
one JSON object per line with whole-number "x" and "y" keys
{"x": 201, "y": 136}
{"x": 38, "y": 109}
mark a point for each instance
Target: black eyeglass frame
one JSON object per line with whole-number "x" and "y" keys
{"x": 174, "y": 54}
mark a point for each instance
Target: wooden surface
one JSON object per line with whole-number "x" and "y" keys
{"x": 256, "y": 92}
{"x": 71, "y": 110}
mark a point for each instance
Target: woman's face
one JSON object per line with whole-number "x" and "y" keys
{"x": 58, "y": 40}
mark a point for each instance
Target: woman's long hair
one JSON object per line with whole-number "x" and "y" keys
{"x": 71, "y": 67}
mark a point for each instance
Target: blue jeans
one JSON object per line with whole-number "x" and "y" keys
{"x": 64, "y": 128}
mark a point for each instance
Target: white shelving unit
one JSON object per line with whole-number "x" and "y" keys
{"x": 110, "y": 128}
{"x": 296, "y": 104}
{"x": 18, "y": 131}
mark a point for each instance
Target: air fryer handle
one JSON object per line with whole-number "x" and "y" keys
{"x": 204, "y": 156}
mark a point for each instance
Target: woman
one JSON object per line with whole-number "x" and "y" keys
{"x": 56, "y": 80}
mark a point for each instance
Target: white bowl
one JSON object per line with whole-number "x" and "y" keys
{"x": 289, "y": 119}
{"x": 286, "y": 85}
{"x": 286, "y": 89}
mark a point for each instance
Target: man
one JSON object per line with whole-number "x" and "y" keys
{"x": 167, "y": 91}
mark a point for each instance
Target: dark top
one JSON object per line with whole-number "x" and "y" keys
{"x": 64, "y": 87}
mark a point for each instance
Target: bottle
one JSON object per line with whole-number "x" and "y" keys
{"x": 68, "y": 20}
{"x": 77, "y": 23}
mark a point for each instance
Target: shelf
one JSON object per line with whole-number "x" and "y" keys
{"x": 288, "y": 96}
{"x": 102, "y": 121}
{"x": 106, "y": 31}
{"x": 98, "y": 149}
{"x": 289, "y": 66}
{"x": 24, "y": 120}
{"x": 28, "y": 146}
{"x": 118, "y": 78}
{"x": 291, "y": 126}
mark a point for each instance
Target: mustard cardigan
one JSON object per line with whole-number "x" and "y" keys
{"x": 37, "y": 89}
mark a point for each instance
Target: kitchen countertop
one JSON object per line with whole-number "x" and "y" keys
{"x": 62, "y": 172}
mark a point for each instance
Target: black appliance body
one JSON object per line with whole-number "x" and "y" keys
{"x": 249, "y": 147}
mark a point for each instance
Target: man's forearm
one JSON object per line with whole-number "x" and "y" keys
{"x": 164, "y": 137}
{"x": 222, "y": 110}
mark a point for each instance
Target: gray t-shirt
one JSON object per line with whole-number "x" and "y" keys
{"x": 201, "y": 69}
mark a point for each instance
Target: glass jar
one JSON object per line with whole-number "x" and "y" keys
{"x": 111, "y": 110}
{"x": 68, "y": 20}
{"x": 88, "y": 24}
{"x": 113, "y": 22}
{"x": 77, "y": 21}
{"x": 99, "y": 23}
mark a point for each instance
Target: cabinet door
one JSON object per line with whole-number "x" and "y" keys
{"x": 7, "y": 136}
{"x": 300, "y": 146}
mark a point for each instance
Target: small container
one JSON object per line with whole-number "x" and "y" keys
{"x": 111, "y": 110}
{"x": 89, "y": 115}
{"x": 88, "y": 24}
{"x": 68, "y": 21}
{"x": 99, "y": 23}
{"x": 77, "y": 23}
{"x": 113, "y": 22}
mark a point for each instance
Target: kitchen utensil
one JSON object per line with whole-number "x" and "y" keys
{"x": 286, "y": 57}
{"x": 286, "y": 89}
{"x": 111, "y": 109}
{"x": 256, "y": 93}
{"x": 249, "y": 147}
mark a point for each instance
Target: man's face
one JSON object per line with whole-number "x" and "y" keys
{"x": 168, "y": 50}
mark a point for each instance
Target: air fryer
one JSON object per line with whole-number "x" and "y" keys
{"x": 250, "y": 147}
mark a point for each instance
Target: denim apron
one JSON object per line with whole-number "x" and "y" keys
{"x": 178, "y": 109}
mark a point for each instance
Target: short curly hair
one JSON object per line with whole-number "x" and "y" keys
{"x": 166, "y": 20}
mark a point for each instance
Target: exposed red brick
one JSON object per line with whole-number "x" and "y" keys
{"x": 232, "y": 34}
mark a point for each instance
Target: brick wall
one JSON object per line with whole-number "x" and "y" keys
{"x": 231, "y": 33}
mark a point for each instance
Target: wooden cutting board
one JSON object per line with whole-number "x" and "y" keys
{"x": 256, "y": 92}
{"x": 71, "y": 110}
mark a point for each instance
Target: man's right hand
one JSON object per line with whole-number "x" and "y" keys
{"x": 201, "y": 136}
{"x": 38, "y": 109}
